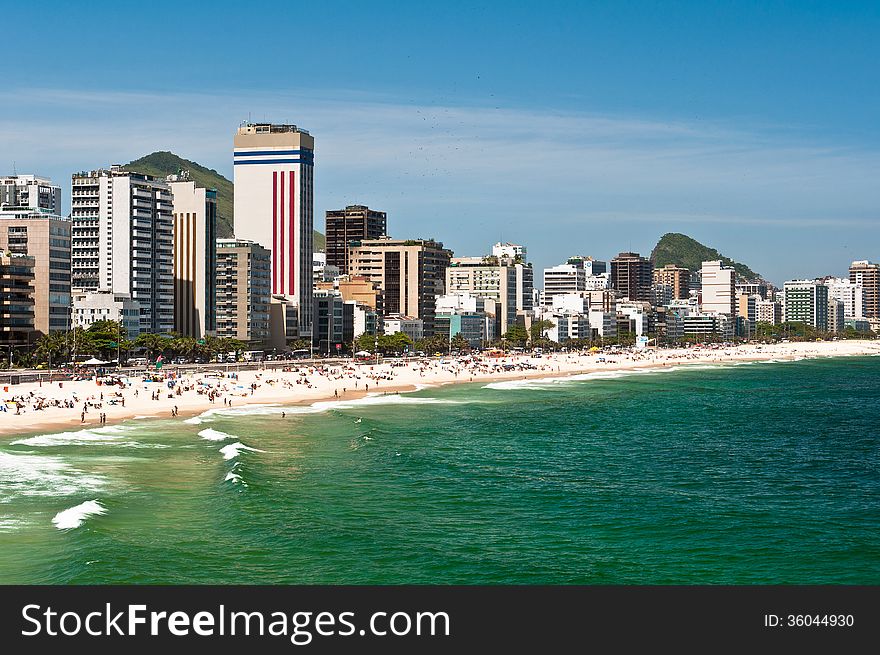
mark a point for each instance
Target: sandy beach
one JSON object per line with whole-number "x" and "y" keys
{"x": 36, "y": 407}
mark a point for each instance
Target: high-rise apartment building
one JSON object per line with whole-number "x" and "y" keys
{"x": 514, "y": 254}
{"x": 768, "y": 311}
{"x": 851, "y": 294}
{"x": 274, "y": 206}
{"x": 122, "y": 241}
{"x": 412, "y": 273}
{"x": 677, "y": 278}
{"x": 867, "y": 274}
{"x": 195, "y": 258}
{"x": 718, "y": 288}
{"x": 29, "y": 192}
{"x": 571, "y": 277}
{"x": 244, "y": 284}
{"x": 16, "y": 299}
{"x": 806, "y": 301}
{"x": 44, "y": 236}
{"x": 354, "y": 223}
{"x": 632, "y": 275}
{"x": 485, "y": 278}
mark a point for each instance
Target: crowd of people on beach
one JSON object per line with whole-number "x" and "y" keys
{"x": 338, "y": 379}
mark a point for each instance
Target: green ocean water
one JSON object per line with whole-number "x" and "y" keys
{"x": 751, "y": 473}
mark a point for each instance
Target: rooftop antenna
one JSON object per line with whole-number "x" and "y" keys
{"x": 14, "y": 172}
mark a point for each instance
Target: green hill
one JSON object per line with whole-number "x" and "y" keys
{"x": 162, "y": 163}
{"x": 681, "y": 250}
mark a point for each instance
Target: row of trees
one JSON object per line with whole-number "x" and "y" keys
{"x": 106, "y": 340}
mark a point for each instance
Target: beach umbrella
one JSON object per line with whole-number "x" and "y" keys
{"x": 93, "y": 362}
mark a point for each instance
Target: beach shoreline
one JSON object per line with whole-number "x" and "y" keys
{"x": 346, "y": 382}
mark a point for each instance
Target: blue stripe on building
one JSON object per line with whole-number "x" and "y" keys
{"x": 307, "y": 162}
{"x": 254, "y": 153}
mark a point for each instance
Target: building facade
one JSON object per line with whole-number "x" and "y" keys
{"x": 851, "y": 294}
{"x": 16, "y": 300}
{"x": 122, "y": 241}
{"x": 486, "y": 279}
{"x": 806, "y": 301}
{"x": 29, "y": 193}
{"x": 411, "y": 273}
{"x": 867, "y": 274}
{"x": 273, "y": 168}
{"x": 45, "y": 237}
{"x": 718, "y": 290}
{"x": 632, "y": 276}
{"x": 244, "y": 284}
{"x": 93, "y": 306}
{"x": 195, "y": 258}
{"x": 352, "y": 224}
{"x": 676, "y": 277}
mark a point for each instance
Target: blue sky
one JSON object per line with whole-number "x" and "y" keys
{"x": 575, "y": 128}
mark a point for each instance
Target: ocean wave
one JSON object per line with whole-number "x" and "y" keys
{"x": 549, "y": 383}
{"x": 36, "y": 475}
{"x": 75, "y": 516}
{"x": 112, "y": 435}
{"x": 379, "y": 399}
{"x": 255, "y": 409}
{"x": 215, "y": 435}
{"x": 11, "y": 523}
{"x": 233, "y": 450}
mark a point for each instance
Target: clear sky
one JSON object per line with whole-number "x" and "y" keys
{"x": 574, "y": 128}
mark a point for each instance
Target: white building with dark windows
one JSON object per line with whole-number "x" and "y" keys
{"x": 273, "y": 169}
{"x": 29, "y": 192}
{"x": 851, "y": 294}
{"x": 122, "y": 241}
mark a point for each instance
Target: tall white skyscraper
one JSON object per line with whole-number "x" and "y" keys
{"x": 122, "y": 241}
{"x": 274, "y": 206}
{"x": 718, "y": 288}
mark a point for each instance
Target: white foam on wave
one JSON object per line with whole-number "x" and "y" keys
{"x": 11, "y": 523}
{"x": 245, "y": 410}
{"x": 549, "y": 383}
{"x": 111, "y": 435}
{"x": 233, "y": 450}
{"x": 211, "y": 434}
{"x": 36, "y": 475}
{"x": 75, "y": 516}
{"x": 234, "y": 478}
{"x": 374, "y": 399}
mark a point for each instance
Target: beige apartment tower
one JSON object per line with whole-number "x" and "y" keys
{"x": 412, "y": 273}
{"x": 195, "y": 258}
{"x": 868, "y": 275}
{"x": 46, "y": 238}
{"x": 676, "y": 277}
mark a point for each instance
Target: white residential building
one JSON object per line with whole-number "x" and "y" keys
{"x": 718, "y": 288}
{"x": 92, "y": 306}
{"x": 31, "y": 192}
{"x": 274, "y": 206}
{"x": 768, "y": 311}
{"x": 122, "y": 241}
{"x": 414, "y": 328}
{"x": 852, "y": 294}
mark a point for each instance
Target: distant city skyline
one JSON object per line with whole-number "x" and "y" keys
{"x": 595, "y": 134}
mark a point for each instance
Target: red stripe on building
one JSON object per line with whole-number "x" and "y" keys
{"x": 292, "y": 222}
{"x": 281, "y": 245}
{"x": 274, "y": 228}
